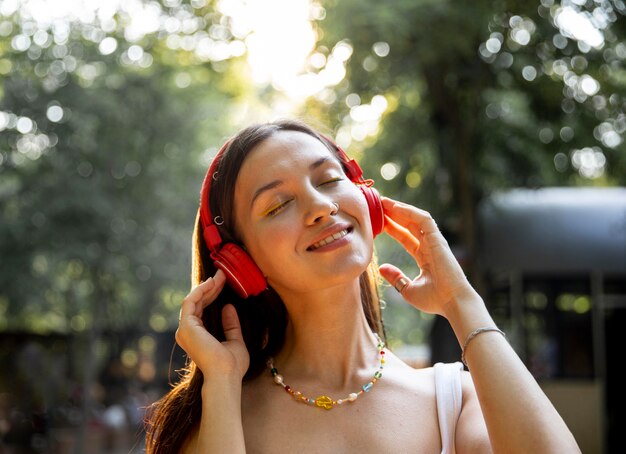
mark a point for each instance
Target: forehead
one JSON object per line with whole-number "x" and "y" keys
{"x": 283, "y": 151}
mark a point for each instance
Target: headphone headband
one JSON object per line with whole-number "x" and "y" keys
{"x": 210, "y": 232}
{"x": 351, "y": 167}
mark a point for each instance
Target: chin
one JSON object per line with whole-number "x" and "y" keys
{"x": 353, "y": 269}
{"x": 325, "y": 279}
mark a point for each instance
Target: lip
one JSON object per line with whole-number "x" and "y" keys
{"x": 331, "y": 230}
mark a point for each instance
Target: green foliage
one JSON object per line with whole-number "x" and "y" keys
{"x": 104, "y": 133}
{"x": 487, "y": 120}
{"x": 101, "y": 160}
{"x": 481, "y": 96}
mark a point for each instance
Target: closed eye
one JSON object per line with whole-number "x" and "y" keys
{"x": 276, "y": 209}
{"x": 331, "y": 181}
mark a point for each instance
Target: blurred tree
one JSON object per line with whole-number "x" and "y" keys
{"x": 447, "y": 102}
{"x": 103, "y": 121}
{"x": 101, "y": 136}
{"x": 102, "y": 129}
{"x": 451, "y": 101}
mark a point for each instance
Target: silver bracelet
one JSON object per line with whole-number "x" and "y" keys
{"x": 475, "y": 333}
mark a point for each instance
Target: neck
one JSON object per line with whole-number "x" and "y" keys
{"x": 328, "y": 338}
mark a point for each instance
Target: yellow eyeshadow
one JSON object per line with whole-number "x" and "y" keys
{"x": 272, "y": 208}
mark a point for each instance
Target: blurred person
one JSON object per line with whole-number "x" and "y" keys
{"x": 284, "y": 333}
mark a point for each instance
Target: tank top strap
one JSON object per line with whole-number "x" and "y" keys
{"x": 449, "y": 394}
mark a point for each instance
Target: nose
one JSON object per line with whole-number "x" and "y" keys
{"x": 320, "y": 208}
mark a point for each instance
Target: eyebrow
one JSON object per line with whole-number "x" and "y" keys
{"x": 275, "y": 183}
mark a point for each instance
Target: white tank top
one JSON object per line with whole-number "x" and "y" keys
{"x": 449, "y": 401}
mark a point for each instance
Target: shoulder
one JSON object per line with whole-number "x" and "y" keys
{"x": 416, "y": 380}
{"x": 411, "y": 388}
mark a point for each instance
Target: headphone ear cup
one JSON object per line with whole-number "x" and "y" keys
{"x": 375, "y": 206}
{"x": 242, "y": 274}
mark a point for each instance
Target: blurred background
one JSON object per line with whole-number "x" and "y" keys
{"x": 505, "y": 119}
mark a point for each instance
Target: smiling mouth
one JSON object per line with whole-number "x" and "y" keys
{"x": 329, "y": 239}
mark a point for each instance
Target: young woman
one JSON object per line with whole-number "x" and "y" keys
{"x": 285, "y": 299}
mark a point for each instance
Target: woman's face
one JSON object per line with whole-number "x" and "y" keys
{"x": 285, "y": 215}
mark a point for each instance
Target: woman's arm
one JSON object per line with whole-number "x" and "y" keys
{"x": 223, "y": 365}
{"x": 518, "y": 415}
{"x": 220, "y": 429}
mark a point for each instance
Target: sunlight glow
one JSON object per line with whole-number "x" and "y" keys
{"x": 46, "y": 12}
{"x": 590, "y": 162}
{"x": 278, "y": 36}
{"x": 280, "y": 40}
{"x": 579, "y": 26}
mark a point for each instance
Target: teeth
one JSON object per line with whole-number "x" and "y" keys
{"x": 329, "y": 239}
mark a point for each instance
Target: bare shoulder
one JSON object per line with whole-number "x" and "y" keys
{"x": 417, "y": 379}
{"x": 414, "y": 387}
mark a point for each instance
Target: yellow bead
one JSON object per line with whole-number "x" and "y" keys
{"x": 324, "y": 402}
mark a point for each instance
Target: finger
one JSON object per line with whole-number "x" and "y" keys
{"x": 219, "y": 279}
{"x": 395, "y": 277}
{"x": 188, "y": 305}
{"x": 402, "y": 236}
{"x": 199, "y": 290}
{"x": 230, "y": 322}
{"x": 204, "y": 293}
{"x": 418, "y": 221}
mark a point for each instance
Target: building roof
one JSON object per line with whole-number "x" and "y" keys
{"x": 554, "y": 230}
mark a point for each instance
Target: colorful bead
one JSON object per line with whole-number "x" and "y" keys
{"x": 326, "y": 402}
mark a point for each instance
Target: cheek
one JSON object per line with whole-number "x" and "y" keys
{"x": 270, "y": 245}
{"x": 356, "y": 206}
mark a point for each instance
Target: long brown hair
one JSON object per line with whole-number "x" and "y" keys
{"x": 263, "y": 318}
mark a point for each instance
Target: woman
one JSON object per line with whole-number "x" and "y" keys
{"x": 282, "y": 220}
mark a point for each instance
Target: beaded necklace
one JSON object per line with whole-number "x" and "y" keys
{"x": 326, "y": 402}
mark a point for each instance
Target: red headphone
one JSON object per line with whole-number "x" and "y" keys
{"x": 242, "y": 274}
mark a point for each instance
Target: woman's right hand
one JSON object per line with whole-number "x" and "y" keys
{"x": 210, "y": 355}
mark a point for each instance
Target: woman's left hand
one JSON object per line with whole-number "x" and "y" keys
{"x": 441, "y": 279}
